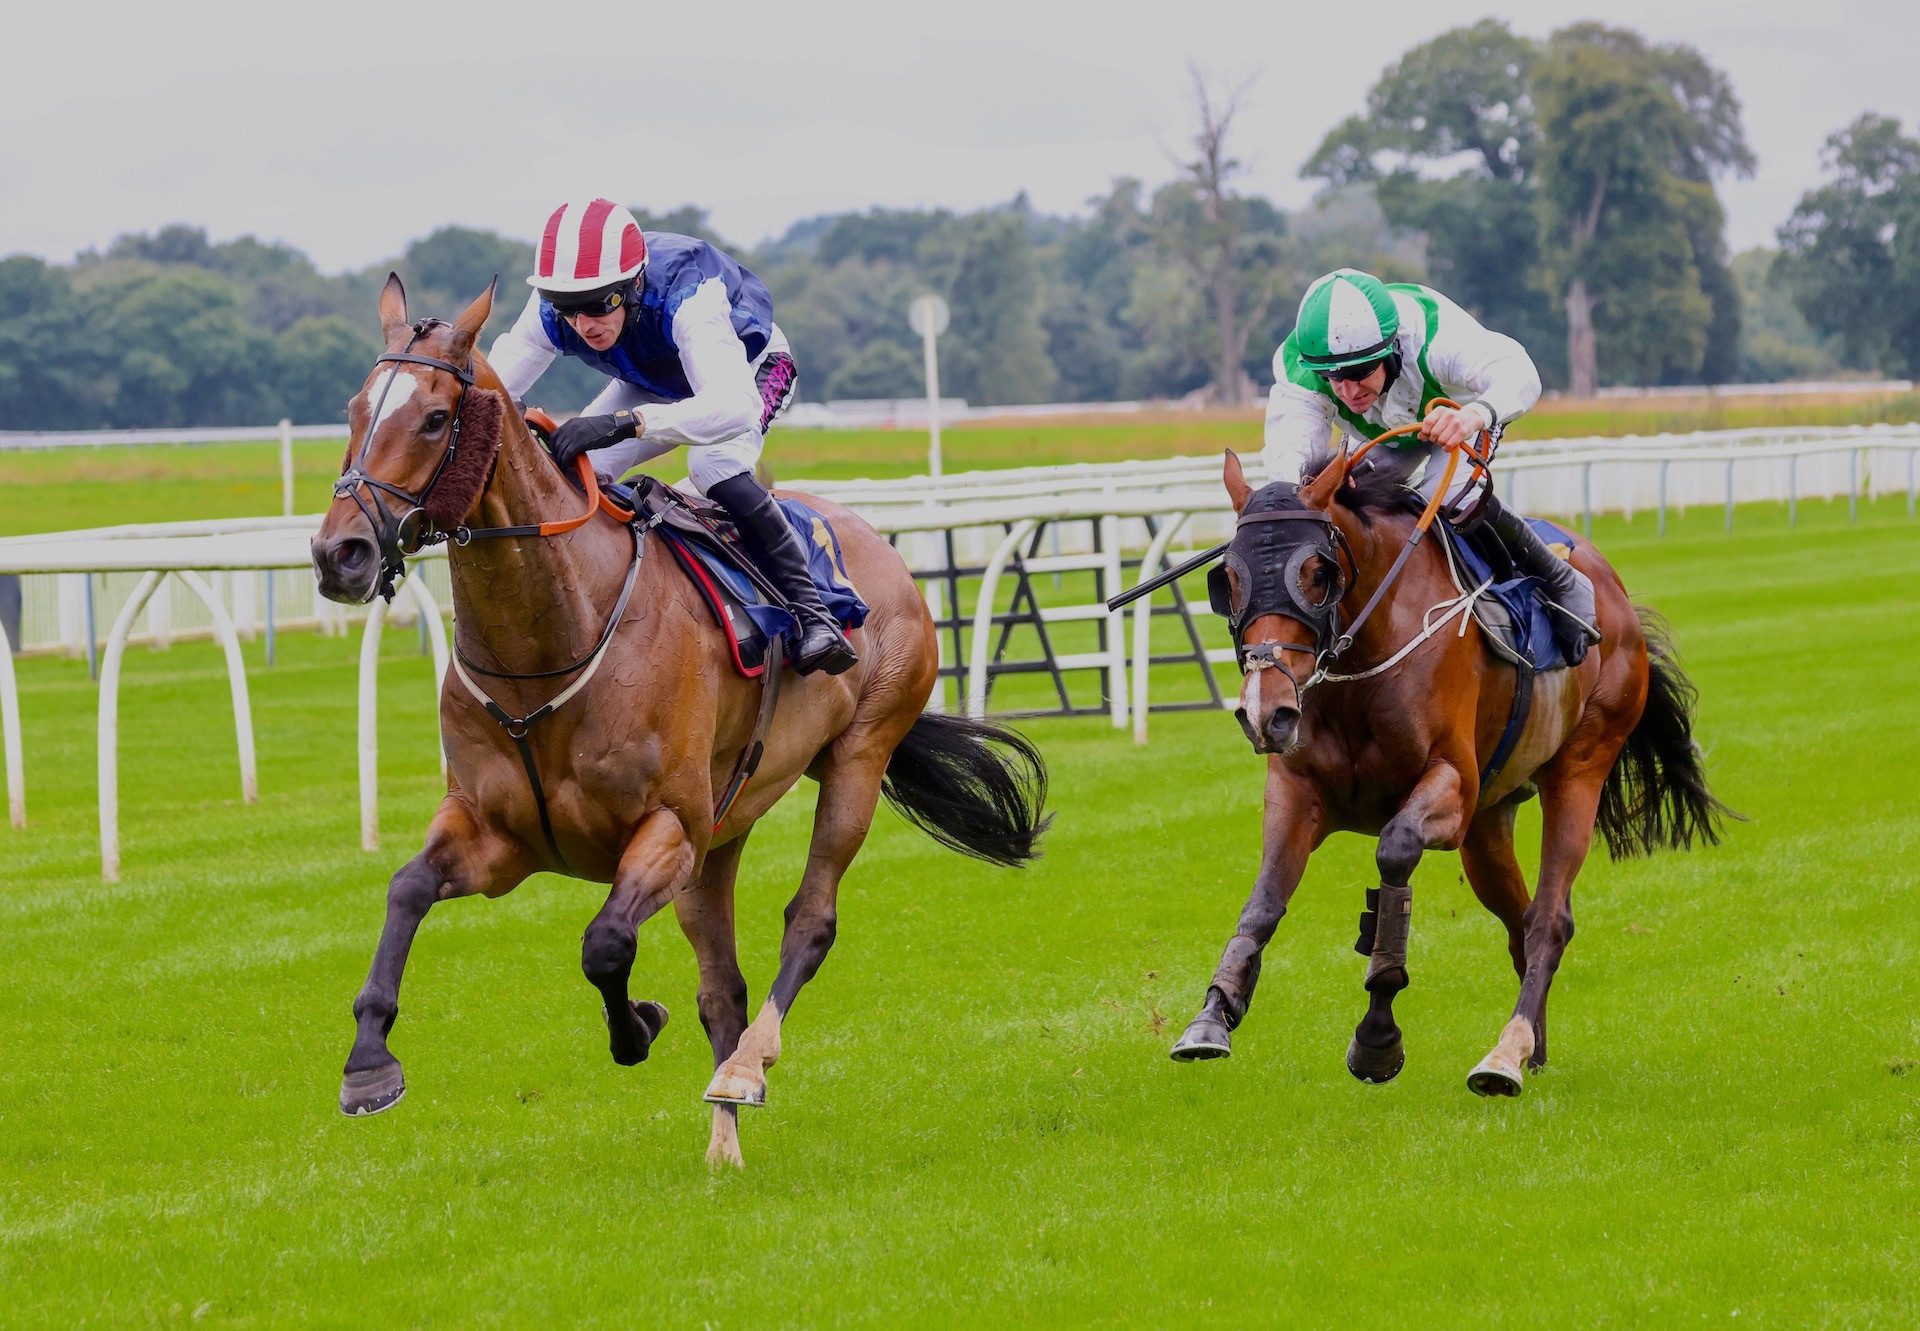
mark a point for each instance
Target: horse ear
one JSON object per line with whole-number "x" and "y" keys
{"x": 1236, "y": 480}
{"x": 467, "y": 327}
{"x": 1318, "y": 492}
{"x": 393, "y": 307}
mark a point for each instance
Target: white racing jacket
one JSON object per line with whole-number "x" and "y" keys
{"x": 1444, "y": 351}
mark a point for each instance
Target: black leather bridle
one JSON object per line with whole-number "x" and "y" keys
{"x": 1243, "y": 593}
{"x": 401, "y": 535}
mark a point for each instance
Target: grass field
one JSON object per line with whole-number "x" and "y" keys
{"x": 975, "y": 1120}
{"x": 62, "y": 489}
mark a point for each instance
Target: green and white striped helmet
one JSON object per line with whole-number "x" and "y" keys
{"x": 1346, "y": 318}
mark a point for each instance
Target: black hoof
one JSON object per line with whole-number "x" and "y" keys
{"x": 1376, "y": 1066}
{"x": 369, "y": 1092}
{"x": 651, "y": 1018}
{"x": 1207, "y": 1037}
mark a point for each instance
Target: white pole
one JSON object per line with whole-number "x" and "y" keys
{"x": 370, "y": 727}
{"x": 109, "y": 739}
{"x": 286, "y": 467}
{"x": 236, "y": 681}
{"x": 10, "y": 735}
{"x": 931, "y": 361}
{"x": 928, "y": 316}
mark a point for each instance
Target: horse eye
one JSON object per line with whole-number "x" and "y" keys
{"x": 435, "y": 420}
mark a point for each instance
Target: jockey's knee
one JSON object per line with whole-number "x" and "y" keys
{"x": 709, "y": 464}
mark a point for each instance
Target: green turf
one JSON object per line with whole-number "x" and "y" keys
{"x": 974, "y": 1120}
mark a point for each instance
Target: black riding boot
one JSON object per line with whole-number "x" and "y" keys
{"x": 783, "y": 559}
{"x": 1569, "y": 591}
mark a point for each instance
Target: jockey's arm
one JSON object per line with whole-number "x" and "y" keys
{"x": 1299, "y": 428}
{"x": 1502, "y": 377}
{"x": 522, "y": 353}
{"x": 725, "y": 402}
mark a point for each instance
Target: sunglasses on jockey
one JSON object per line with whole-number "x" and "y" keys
{"x": 586, "y": 304}
{"x": 1352, "y": 373}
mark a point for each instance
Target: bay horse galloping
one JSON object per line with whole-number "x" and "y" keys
{"x": 609, "y": 740}
{"x": 1381, "y": 715}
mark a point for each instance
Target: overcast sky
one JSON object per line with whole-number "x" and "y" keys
{"x": 347, "y": 129}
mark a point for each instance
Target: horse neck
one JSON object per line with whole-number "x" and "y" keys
{"x": 1375, "y": 547}
{"x": 529, "y": 602}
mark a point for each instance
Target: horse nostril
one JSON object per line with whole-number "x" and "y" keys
{"x": 1283, "y": 723}
{"x": 352, "y": 556}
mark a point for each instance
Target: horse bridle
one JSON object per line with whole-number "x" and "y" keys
{"x": 402, "y": 535}
{"x": 1323, "y": 618}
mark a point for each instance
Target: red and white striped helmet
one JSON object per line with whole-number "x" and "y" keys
{"x": 588, "y": 243}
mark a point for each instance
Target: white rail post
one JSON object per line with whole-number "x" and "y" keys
{"x": 370, "y": 727}
{"x": 10, "y": 734}
{"x": 1116, "y": 624}
{"x": 236, "y": 680}
{"x": 109, "y": 737}
{"x": 286, "y": 466}
{"x": 983, "y": 614}
{"x": 1143, "y": 622}
{"x": 436, "y": 635}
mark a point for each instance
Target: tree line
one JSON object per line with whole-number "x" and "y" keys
{"x": 1563, "y": 189}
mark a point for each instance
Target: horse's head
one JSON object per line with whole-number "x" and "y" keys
{"x": 1279, "y": 585}
{"x": 422, "y": 440}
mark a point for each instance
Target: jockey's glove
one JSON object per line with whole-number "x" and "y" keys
{"x": 583, "y": 434}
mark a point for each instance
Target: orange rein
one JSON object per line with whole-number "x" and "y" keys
{"x": 596, "y": 501}
{"x": 1454, "y": 451}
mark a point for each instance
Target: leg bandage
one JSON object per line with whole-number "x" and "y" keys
{"x": 1393, "y": 920}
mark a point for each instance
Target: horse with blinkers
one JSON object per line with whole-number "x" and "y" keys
{"x": 1375, "y": 720}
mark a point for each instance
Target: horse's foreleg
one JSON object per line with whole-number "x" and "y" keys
{"x": 460, "y": 859}
{"x": 705, "y": 912}
{"x": 1569, "y": 803}
{"x": 1292, "y": 830}
{"x": 656, "y": 863}
{"x": 1434, "y": 815}
{"x": 849, "y": 790}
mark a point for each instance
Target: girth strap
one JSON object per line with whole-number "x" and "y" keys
{"x": 749, "y": 761}
{"x": 1516, "y": 722}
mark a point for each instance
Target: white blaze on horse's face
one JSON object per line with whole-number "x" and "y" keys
{"x": 1269, "y": 702}
{"x": 398, "y": 387}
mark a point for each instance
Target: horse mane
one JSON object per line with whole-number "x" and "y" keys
{"x": 1375, "y": 492}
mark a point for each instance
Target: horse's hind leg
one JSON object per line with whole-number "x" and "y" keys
{"x": 655, "y": 864}
{"x": 849, "y": 790}
{"x": 1434, "y": 815}
{"x": 461, "y": 858}
{"x": 705, "y": 912}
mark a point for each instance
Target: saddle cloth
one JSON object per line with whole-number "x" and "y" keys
{"x": 1512, "y": 612}
{"x": 704, "y": 543}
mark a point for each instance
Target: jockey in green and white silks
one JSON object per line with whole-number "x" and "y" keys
{"x": 1366, "y": 356}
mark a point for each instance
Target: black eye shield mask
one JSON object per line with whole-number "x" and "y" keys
{"x": 1264, "y": 570}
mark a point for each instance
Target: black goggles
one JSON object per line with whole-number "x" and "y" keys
{"x": 1352, "y": 373}
{"x": 583, "y": 304}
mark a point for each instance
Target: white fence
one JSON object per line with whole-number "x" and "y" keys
{"x": 1563, "y": 478}
{"x": 1094, "y": 513}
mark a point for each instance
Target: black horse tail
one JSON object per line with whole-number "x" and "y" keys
{"x": 946, "y": 781}
{"x": 1656, "y": 795}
